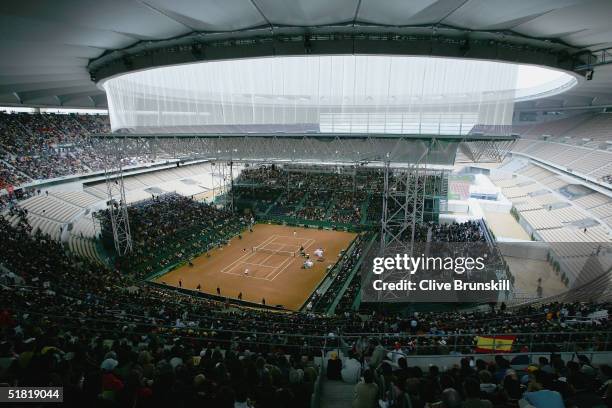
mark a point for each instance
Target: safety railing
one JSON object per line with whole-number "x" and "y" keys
{"x": 412, "y": 344}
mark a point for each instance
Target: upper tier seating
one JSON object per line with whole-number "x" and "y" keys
{"x": 555, "y": 128}
{"x": 583, "y": 161}
{"x": 597, "y": 128}
{"x": 563, "y": 222}
{"x": 46, "y": 146}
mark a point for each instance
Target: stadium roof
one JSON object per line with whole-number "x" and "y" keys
{"x": 48, "y": 49}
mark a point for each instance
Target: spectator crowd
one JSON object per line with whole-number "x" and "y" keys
{"x": 385, "y": 378}
{"x": 46, "y": 146}
{"x": 111, "y": 341}
{"x": 348, "y": 199}
{"x": 171, "y": 228}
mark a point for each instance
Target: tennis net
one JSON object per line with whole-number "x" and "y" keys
{"x": 273, "y": 251}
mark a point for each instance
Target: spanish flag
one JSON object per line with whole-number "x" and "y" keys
{"x": 494, "y": 344}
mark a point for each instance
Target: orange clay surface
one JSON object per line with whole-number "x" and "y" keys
{"x": 279, "y": 278}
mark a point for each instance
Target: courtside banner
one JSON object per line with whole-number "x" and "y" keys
{"x": 468, "y": 272}
{"x": 494, "y": 344}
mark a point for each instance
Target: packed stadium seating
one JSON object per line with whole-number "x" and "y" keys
{"x": 306, "y": 204}
{"x": 170, "y": 228}
{"x": 346, "y": 200}
{"x": 45, "y": 146}
{"x": 207, "y": 347}
{"x": 208, "y": 324}
{"x": 70, "y": 208}
{"x": 159, "y": 346}
{"x": 10, "y": 176}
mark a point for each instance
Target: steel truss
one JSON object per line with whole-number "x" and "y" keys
{"x": 404, "y": 194}
{"x": 486, "y": 151}
{"x": 223, "y": 182}
{"x": 402, "y": 213}
{"x": 291, "y": 148}
{"x": 116, "y": 203}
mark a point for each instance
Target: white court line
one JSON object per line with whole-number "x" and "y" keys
{"x": 268, "y": 257}
{"x": 258, "y": 264}
{"x": 285, "y": 267}
{"x": 246, "y": 263}
{"x": 284, "y": 260}
{"x": 282, "y": 245}
{"x": 288, "y": 236}
{"x": 305, "y": 244}
{"x": 247, "y": 276}
{"x": 279, "y": 272}
{"x": 263, "y": 245}
{"x": 302, "y": 242}
{"x": 271, "y": 255}
{"x": 288, "y": 260}
{"x": 266, "y": 243}
{"x": 271, "y": 237}
{"x": 298, "y": 238}
{"x": 251, "y": 276}
{"x": 247, "y": 254}
{"x": 238, "y": 272}
{"x": 308, "y": 242}
{"x": 279, "y": 247}
{"x": 282, "y": 248}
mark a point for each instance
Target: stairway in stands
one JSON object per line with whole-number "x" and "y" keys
{"x": 336, "y": 394}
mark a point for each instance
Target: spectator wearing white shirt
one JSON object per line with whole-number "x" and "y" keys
{"x": 351, "y": 370}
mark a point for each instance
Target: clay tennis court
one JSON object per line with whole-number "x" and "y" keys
{"x": 271, "y": 255}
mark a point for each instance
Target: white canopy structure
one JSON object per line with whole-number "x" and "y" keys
{"x": 330, "y": 94}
